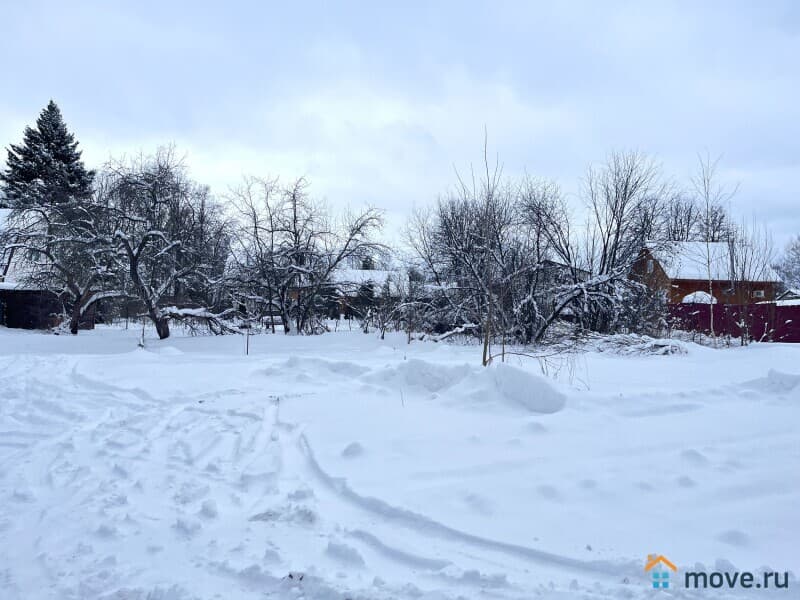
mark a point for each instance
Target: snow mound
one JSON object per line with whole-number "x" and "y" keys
{"x": 420, "y": 374}
{"x": 777, "y": 383}
{"x": 314, "y": 367}
{"x": 344, "y": 554}
{"x": 498, "y": 383}
{"x": 699, "y": 298}
{"x": 166, "y": 351}
{"x": 520, "y": 388}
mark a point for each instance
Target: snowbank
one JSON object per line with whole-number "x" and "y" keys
{"x": 699, "y": 298}
{"x": 531, "y": 392}
{"x": 498, "y": 383}
{"x": 189, "y": 470}
{"x": 777, "y": 383}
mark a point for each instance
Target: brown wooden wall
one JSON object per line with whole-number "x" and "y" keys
{"x": 743, "y": 293}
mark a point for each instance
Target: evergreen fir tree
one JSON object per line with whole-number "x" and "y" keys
{"x": 47, "y": 167}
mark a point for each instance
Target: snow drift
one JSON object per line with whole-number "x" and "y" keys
{"x": 520, "y": 388}
{"x": 499, "y": 383}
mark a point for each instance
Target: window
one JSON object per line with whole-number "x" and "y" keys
{"x": 650, "y": 266}
{"x": 758, "y": 293}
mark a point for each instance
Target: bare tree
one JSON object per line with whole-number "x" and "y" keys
{"x": 682, "y": 218}
{"x": 751, "y": 257}
{"x": 65, "y": 248}
{"x": 161, "y": 228}
{"x": 288, "y": 247}
{"x": 502, "y": 261}
{"x": 255, "y": 278}
{"x": 627, "y": 199}
{"x": 712, "y": 197}
{"x": 789, "y": 264}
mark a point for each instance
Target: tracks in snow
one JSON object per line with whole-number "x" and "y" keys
{"x": 129, "y": 490}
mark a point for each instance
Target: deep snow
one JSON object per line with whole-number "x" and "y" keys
{"x": 342, "y": 466}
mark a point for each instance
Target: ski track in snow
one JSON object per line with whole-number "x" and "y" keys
{"x": 115, "y": 492}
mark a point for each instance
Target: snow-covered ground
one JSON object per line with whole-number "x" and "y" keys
{"x": 342, "y": 466}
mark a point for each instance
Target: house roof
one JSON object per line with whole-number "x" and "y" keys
{"x": 351, "y": 280}
{"x": 691, "y": 260}
{"x": 790, "y": 294}
{"x": 698, "y": 260}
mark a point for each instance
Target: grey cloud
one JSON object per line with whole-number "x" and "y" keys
{"x": 377, "y": 103}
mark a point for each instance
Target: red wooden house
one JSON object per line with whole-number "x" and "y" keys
{"x": 684, "y": 271}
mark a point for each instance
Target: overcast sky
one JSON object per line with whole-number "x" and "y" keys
{"x": 378, "y": 104}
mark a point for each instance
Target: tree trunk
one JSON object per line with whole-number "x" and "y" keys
{"x": 161, "y": 322}
{"x": 76, "y": 313}
{"x": 75, "y": 319}
{"x": 162, "y": 326}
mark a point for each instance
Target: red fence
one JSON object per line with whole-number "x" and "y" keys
{"x": 761, "y": 322}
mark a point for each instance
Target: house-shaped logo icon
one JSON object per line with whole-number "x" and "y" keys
{"x": 659, "y": 567}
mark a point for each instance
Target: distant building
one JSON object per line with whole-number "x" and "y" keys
{"x": 351, "y": 282}
{"x": 790, "y": 296}
{"x": 359, "y": 289}
{"x": 22, "y": 306}
{"x": 682, "y": 269}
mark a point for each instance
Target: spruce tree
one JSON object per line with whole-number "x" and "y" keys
{"x": 47, "y": 167}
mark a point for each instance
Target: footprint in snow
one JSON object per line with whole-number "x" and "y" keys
{"x": 344, "y": 554}
{"x": 685, "y": 481}
{"x": 22, "y": 495}
{"x": 353, "y": 450}
{"x": 549, "y": 492}
{"x": 693, "y": 457}
{"x": 189, "y": 492}
{"x": 536, "y": 428}
{"x": 186, "y": 528}
{"x": 478, "y": 503}
{"x": 301, "y": 494}
{"x": 208, "y": 509}
{"x": 271, "y": 556}
{"x": 106, "y": 531}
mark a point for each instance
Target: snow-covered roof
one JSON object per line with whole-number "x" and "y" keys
{"x": 350, "y": 280}
{"x": 789, "y": 294}
{"x": 693, "y": 260}
{"x": 699, "y": 260}
{"x": 375, "y": 276}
